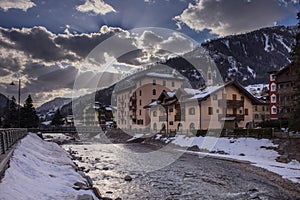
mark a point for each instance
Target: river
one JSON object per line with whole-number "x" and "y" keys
{"x": 181, "y": 177}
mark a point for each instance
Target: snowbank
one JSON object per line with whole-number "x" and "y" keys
{"x": 257, "y": 151}
{"x": 40, "y": 170}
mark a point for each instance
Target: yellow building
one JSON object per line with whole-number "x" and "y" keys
{"x": 215, "y": 107}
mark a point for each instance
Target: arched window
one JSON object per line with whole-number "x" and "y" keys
{"x": 154, "y": 91}
{"x": 155, "y": 126}
{"x": 154, "y": 113}
{"x": 273, "y": 98}
{"x": 274, "y": 110}
{"x": 163, "y": 127}
{"x": 273, "y": 87}
{"x": 180, "y": 127}
{"x": 192, "y": 111}
{"x": 192, "y": 126}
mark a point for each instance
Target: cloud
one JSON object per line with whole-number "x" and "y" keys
{"x": 36, "y": 42}
{"x": 97, "y": 7}
{"x": 49, "y": 62}
{"x": 224, "y": 17}
{"x": 16, "y": 4}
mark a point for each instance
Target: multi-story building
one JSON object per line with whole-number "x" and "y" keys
{"x": 104, "y": 115}
{"x": 215, "y": 107}
{"x": 137, "y": 91}
{"x": 261, "y": 112}
{"x": 286, "y": 91}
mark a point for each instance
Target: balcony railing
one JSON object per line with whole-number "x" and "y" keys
{"x": 179, "y": 117}
{"x": 231, "y": 103}
{"x": 162, "y": 118}
{"x": 238, "y": 117}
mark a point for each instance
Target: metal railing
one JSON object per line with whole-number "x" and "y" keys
{"x": 8, "y": 137}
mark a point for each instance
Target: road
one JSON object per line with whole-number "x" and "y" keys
{"x": 189, "y": 177}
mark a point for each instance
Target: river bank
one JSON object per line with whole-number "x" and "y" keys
{"x": 188, "y": 177}
{"x": 41, "y": 170}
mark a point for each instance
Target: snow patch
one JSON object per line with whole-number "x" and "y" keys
{"x": 40, "y": 170}
{"x": 245, "y": 149}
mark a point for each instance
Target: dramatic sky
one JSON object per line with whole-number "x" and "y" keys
{"x": 44, "y": 42}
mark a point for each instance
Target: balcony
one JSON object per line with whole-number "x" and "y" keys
{"x": 231, "y": 103}
{"x": 237, "y": 117}
{"x": 179, "y": 117}
{"x": 162, "y": 118}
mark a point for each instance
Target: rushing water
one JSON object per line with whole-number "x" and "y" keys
{"x": 189, "y": 177}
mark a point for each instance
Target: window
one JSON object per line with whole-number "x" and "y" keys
{"x": 217, "y": 111}
{"x": 215, "y": 97}
{"x": 210, "y": 110}
{"x": 154, "y": 113}
{"x": 241, "y": 112}
{"x": 192, "y": 111}
{"x": 242, "y": 98}
{"x": 274, "y": 110}
{"x": 140, "y": 102}
{"x": 154, "y": 91}
{"x": 154, "y": 82}
{"x": 173, "y": 84}
{"x": 171, "y": 122}
{"x": 234, "y": 96}
{"x": 140, "y": 92}
{"x": 263, "y": 108}
{"x": 171, "y": 110}
{"x": 140, "y": 112}
{"x": 164, "y": 83}
{"x": 255, "y": 108}
{"x": 155, "y": 126}
{"x": 192, "y": 126}
{"x": 256, "y": 116}
{"x": 273, "y": 87}
{"x": 246, "y": 111}
{"x": 273, "y": 98}
{"x": 272, "y": 77}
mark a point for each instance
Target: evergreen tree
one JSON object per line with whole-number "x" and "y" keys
{"x": 295, "y": 118}
{"x": 57, "y": 119}
{"x": 28, "y": 116}
{"x": 11, "y": 114}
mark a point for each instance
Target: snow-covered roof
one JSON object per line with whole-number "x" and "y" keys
{"x": 171, "y": 94}
{"x": 256, "y": 89}
{"x": 160, "y": 75}
{"x": 207, "y": 91}
{"x": 108, "y": 108}
{"x": 191, "y": 91}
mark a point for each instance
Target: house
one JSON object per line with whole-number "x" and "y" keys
{"x": 220, "y": 106}
{"x": 261, "y": 110}
{"x": 139, "y": 90}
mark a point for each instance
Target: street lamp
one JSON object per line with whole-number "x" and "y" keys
{"x": 19, "y": 100}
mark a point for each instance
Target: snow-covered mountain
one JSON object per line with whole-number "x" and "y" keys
{"x": 53, "y": 105}
{"x": 248, "y": 57}
{"x": 245, "y": 57}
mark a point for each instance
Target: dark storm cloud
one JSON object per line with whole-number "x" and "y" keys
{"x": 51, "y": 78}
{"x": 81, "y": 44}
{"x": 10, "y": 64}
{"x": 37, "y": 42}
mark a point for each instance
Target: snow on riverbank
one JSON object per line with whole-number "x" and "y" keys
{"x": 40, "y": 170}
{"x": 257, "y": 151}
